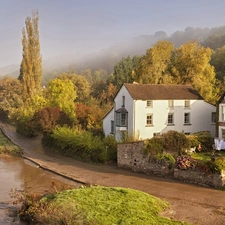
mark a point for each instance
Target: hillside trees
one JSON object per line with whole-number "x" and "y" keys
{"x": 191, "y": 66}
{"x": 81, "y": 86}
{"x": 163, "y": 63}
{"x": 31, "y": 65}
{"x": 124, "y": 71}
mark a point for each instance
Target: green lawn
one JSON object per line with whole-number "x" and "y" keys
{"x": 206, "y": 156}
{"x": 7, "y": 147}
{"x": 100, "y": 206}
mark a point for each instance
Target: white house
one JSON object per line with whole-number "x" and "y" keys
{"x": 221, "y": 117}
{"x": 146, "y": 110}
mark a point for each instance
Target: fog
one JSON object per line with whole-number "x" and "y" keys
{"x": 71, "y": 29}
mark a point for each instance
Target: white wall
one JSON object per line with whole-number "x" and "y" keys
{"x": 200, "y": 113}
{"x": 128, "y": 106}
{"x": 199, "y": 110}
{"x": 221, "y": 119}
{"x": 107, "y": 122}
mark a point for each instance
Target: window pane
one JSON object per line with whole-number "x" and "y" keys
{"x": 149, "y": 119}
{"x": 213, "y": 117}
{"x": 187, "y": 118}
{"x": 123, "y": 119}
{"x": 170, "y": 118}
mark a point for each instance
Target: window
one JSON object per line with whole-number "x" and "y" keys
{"x": 149, "y": 120}
{"x": 170, "y": 103}
{"x": 156, "y": 134}
{"x": 223, "y": 113}
{"x": 123, "y": 101}
{"x": 223, "y": 134}
{"x": 187, "y": 104}
{"x": 149, "y": 103}
{"x": 186, "y": 118}
{"x": 121, "y": 119}
{"x": 112, "y": 127}
{"x": 170, "y": 119}
{"x": 213, "y": 117}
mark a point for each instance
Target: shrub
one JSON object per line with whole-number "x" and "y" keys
{"x": 78, "y": 144}
{"x": 154, "y": 145}
{"x": 111, "y": 146}
{"x": 205, "y": 139}
{"x": 175, "y": 141}
{"x": 165, "y": 158}
{"x": 184, "y": 162}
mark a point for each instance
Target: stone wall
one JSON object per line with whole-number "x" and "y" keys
{"x": 197, "y": 177}
{"x": 132, "y": 156}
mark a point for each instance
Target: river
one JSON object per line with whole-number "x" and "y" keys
{"x": 23, "y": 175}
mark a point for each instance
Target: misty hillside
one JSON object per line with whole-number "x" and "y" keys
{"x": 107, "y": 58}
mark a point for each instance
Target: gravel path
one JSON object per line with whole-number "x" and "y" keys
{"x": 191, "y": 203}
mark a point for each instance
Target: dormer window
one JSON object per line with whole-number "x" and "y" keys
{"x": 149, "y": 103}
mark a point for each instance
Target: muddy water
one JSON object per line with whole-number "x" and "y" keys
{"x": 23, "y": 175}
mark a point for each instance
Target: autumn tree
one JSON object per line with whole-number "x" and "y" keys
{"x": 192, "y": 66}
{"x": 31, "y": 65}
{"x": 61, "y": 93}
{"x": 154, "y": 65}
{"x": 10, "y": 95}
{"x": 81, "y": 86}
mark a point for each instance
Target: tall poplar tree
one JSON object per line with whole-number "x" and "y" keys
{"x": 31, "y": 65}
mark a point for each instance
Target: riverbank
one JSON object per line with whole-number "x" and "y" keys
{"x": 189, "y": 203}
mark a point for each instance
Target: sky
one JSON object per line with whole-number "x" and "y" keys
{"x": 77, "y": 27}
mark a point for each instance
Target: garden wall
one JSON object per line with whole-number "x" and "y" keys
{"x": 132, "y": 156}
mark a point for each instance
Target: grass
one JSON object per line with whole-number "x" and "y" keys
{"x": 100, "y": 206}
{"x": 7, "y": 147}
{"x": 206, "y": 156}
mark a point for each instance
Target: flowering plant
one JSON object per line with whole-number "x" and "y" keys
{"x": 185, "y": 162}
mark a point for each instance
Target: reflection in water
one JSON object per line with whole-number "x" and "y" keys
{"x": 19, "y": 173}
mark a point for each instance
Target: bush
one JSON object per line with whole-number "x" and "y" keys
{"x": 111, "y": 146}
{"x": 185, "y": 162}
{"x": 154, "y": 145}
{"x": 165, "y": 158}
{"x": 80, "y": 144}
{"x": 205, "y": 139}
{"x": 175, "y": 141}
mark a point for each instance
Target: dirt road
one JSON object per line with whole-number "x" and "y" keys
{"x": 191, "y": 203}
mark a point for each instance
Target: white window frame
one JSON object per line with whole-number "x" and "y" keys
{"x": 170, "y": 119}
{"x": 223, "y": 113}
{"x": 213, "y": 117}
{"x": 187, "y": 116}
{"x": 149, "y": 119}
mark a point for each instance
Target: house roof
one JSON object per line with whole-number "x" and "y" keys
{"x": 162, "y": 92}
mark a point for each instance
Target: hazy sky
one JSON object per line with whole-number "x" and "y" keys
{"x": 75, "y": 26}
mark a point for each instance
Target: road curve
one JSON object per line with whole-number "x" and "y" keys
{"x": 190, "y": 203}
